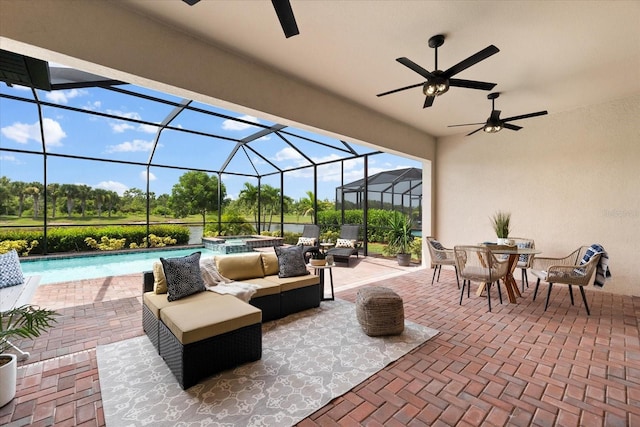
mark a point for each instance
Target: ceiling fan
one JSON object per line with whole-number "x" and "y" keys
{"x": 494, "y": 124}
{"x": 438, "y": 81}
{"x": 284, "y": 12}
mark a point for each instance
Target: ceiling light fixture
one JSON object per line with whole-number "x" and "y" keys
{"x": 492, "y": 126}
{"x": 436, "y": 85}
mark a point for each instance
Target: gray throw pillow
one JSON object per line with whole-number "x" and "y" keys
{"x": 183, "y": 276}
{"x": 10, "y": 270}
{"x": 291, "y": 261}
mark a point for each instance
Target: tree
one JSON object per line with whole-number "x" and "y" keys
{"x": 5, "y": 194}
{"x": 53, "y": 191}
{"x": 34, "y": 189}
{"x": 17, "y": 188}
{"x": 84, "y": 193}
{"x": 195, "y": 193}
{"x": 70, "y": 192}
{"x": 305, "y": 205}
{"x": 111, "y": 199}
{"x": 134, "y": 200}
{"x": 100, "y": 195}
{"x": 248, "y": 201}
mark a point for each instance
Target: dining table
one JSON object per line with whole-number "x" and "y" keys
{"x": 513, "y": 253}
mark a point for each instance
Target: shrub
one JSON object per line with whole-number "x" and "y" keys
{"x": 73, "y": 239}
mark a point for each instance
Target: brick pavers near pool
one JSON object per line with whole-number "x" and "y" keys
{"x": 516, "y": 366}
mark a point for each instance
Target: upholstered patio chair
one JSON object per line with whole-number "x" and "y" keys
{"x": 441, "y": 256}
{"x": 309, "y": 240}
{"x": 479, "y": 264}
{"x": 566, "y": 270}
{"x": 348, "y": 243}
{"x": 524, "y": 261}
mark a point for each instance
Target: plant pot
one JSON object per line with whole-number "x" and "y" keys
{"x": 505, "y": 241}
{"x": 8, "y": 373}
{"x": 317, "y": 262}
{"x": 404, "y": 259}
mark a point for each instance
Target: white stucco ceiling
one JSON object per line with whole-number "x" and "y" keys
{"x": 554, "y": 55}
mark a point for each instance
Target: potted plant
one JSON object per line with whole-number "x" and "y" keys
{"x": 317, "y": 259}
{"x": 400, "y": 238}
{"x": 500, "y": 221}
{"x": 27, "y": 321}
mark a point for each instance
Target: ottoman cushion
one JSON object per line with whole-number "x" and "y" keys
{"x": 380, "y": 311}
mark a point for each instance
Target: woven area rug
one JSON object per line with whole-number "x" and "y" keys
{"x": 308, "y": 359}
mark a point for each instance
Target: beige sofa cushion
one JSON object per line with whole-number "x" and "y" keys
{"x": 156, "y": 302}
{"x": 265, "y": 286}
{"x": 270, "y": 263}
{"x": 159, "y": 279}
{"x": 289, "y": 283}
{"x": 203, "y": 318}
{"x": 240, "y": 267}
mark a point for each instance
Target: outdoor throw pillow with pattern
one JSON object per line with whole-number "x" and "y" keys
{"x": 438, "y": 246}
{"x": 10, "y": 270}
{"x": 291, "y": 261}
{"x": 306, "y": 241}
{"x": 345, "y": 243}
{"x": 183, "y": 276}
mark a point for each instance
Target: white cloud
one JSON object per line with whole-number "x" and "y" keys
{"x": 289, "y": 153}
{"x": 9, "y": 158}
{"x": 24, "y": 132}
{"x": 237, "y": 126}
{"x": 116, "y": 186}
{"x": 121, "y": 126}
{"x": 143, "y": 176}
{"x": 131, "y": 146}
{"x": 63, "y": 96}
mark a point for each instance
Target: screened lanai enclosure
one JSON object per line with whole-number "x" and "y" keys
{"x": 396, "y": 189}
{"x": 78, "y": 149}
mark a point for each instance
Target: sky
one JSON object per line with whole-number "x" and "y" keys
{"x": 74, "y": 133}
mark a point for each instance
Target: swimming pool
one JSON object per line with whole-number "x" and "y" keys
{"x": 56, "y": 270}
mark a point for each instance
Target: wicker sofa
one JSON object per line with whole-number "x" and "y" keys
{"x": 205, "y": 333}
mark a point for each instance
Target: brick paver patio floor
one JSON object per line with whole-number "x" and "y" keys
{"x": 516, "y": 366}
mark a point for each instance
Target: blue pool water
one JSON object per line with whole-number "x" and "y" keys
{"x": 55, "y": 270}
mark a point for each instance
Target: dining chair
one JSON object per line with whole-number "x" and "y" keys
{"x": 441, "y": 256}
{"x": 524, "y": 261}
{"x": 479, "y": 264}
{"x": 573, "y": 269}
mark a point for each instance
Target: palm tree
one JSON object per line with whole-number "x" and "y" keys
{"x": 17, "y": 188}
{"x": 83, "y": 193}
{"x": 70, "y": 191}
{"x": 100, "y": 195}
{"x": 111, "y": 198}
{"x": 248, "y": 200}
{"x": 34, "y": 189}
{"x": 53, "y": 191}
{"x": 306, "y": 205}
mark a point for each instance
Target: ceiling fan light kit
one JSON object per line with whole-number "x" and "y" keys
{"x": 494, "y": 124}
{"x": 438, "y": 82}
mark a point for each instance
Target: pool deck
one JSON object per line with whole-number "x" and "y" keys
{"x": 515, "y": 366}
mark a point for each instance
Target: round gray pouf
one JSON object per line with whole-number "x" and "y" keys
{"x": 380, "y": 311}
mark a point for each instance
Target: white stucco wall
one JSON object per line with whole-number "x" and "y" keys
{"x": 568, "y": 179}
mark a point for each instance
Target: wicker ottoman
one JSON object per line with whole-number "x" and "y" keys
{"x": 379, "y": 311}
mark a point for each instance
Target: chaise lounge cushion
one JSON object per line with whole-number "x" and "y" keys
{"x": 240, "y": 267}
{"x": 200, "y": 319}
{"x": 183, "y": 276}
